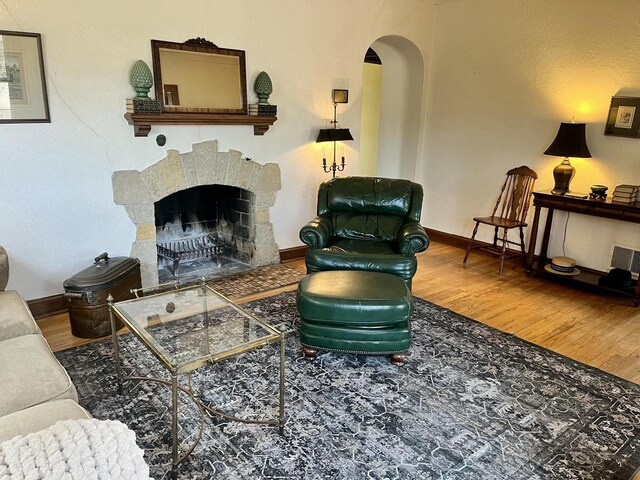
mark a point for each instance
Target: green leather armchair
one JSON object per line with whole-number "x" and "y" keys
{"x": 366, "y": 223}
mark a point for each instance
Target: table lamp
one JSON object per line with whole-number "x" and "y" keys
{"x": 569, "y": 142}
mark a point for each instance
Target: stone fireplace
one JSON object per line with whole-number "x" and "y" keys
{"x": 202, "y": 194}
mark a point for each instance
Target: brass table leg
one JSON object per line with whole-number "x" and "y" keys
{"x": 114, "y": 339}
{"x": 281, "y": 400}
{"x": 175, "y": 447}
{"x": 174, "y": 420}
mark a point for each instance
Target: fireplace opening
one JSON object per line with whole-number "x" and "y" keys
{"x": 204, "y": 231}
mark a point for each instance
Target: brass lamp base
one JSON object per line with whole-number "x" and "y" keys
{"x": 562, "y": 175}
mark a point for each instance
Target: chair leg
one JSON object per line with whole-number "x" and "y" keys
{"x": 504, "y": 250}
{"x": 310, "y": 353}
{"x": 524, "y": 254}
{"x": 398, "y": 358}
{"x": 495, "y": 238}
{"x": 473, "y": 236}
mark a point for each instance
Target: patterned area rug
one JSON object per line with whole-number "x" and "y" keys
{"x": 469, "y": 403}
{"x": 257, "y": 280}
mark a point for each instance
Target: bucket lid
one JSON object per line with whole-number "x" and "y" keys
{"x": 104, "y": 273}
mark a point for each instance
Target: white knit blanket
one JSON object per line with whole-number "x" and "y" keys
{"x": 86, "y": 449}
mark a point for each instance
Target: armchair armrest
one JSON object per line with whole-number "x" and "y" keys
{"x": 412, "y": 239}
{"x": 317, "y": 233}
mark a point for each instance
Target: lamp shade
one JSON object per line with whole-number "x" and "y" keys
{"x": 570, "y": 142}
{"x": 334, "y": 135}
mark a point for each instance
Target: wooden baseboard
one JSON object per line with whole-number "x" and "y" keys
{"x": 55, "y": 304}
{"x": 296, "y": 253}
{"x": 47, "y": 306}
{"x": 447, "y": 238}
{"x": 463, "y": 242}
{"x": 293, "y": 253}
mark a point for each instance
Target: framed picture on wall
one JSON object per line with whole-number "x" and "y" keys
{"x": 624, "y": 117}
{"x": 23, "y": 90}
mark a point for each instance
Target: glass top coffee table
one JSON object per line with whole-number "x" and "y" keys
{"x": 188, "y": 328}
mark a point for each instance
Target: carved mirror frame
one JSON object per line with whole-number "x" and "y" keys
{"x": 202, "y": 46}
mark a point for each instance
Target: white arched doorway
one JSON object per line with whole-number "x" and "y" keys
{"x": 391, "y": 109}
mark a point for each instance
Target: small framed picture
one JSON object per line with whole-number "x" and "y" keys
{"x": 23, "y": 90}
{"x": 623, "y": 120}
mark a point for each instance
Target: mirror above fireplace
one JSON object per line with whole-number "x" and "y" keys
{"x": 198, "y": 77}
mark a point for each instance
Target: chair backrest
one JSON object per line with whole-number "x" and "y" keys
{"x": 514, "y": 199}
{"x": 369, "y": 207}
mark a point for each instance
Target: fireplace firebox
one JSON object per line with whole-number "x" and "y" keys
{"x": 207, "y": 222}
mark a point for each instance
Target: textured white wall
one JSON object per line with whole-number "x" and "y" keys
{"x": 55, "y": 186}
{"x": 503, "y": 76}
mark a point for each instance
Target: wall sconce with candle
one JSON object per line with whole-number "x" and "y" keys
{"x": 335, "y": 134}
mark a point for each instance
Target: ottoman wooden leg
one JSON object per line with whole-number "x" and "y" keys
{"x": 398, "y": 358}
{"x": 309, "y": 353}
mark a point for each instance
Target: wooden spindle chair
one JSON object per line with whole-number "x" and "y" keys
{"x": 510, "y": 212}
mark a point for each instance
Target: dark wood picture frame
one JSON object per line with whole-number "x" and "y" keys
{"x": 25, "y": 78}
{"x": 624, "y": 117}
{"x": 198, "y": 45}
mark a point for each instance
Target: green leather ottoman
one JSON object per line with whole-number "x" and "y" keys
{"x": 356, "y": 312}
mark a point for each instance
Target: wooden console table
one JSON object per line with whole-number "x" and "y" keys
{"x": 594, "y": 208}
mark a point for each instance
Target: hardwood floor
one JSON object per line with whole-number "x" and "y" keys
{"x": 600, "y": 330}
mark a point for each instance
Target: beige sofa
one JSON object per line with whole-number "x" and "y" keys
{"x": 35, "y": 394}
{"x": 4, "y": 268}
{"x": 36, "y": 390}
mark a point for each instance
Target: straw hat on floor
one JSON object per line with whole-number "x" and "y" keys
{"x": 562, "y": 266}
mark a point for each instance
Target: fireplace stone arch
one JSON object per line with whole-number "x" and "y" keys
{"x": 138, "y": 191}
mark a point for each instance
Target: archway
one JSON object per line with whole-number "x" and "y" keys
{"x": 393, "y": 92}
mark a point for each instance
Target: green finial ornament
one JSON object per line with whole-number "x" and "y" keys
{"x": 141, "y": 79}
{"x": 263, "y": 88}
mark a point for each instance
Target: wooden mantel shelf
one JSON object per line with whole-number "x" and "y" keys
{"x": 142, "y": 121}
